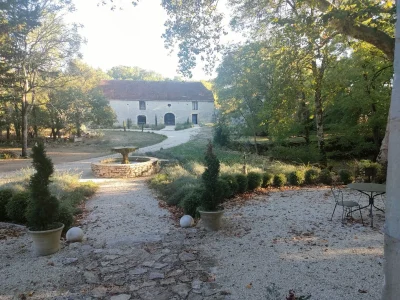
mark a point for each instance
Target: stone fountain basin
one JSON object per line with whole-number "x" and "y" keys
{"x": 139, "y": 166}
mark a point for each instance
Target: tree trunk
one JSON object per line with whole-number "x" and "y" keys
{"x": 383, "y": 152}
{"x": 17, "y": 127}
{"x": 53, "y": 133}
{"x": 8, "y": 129}
{"x": 318, "y": 73}
{"x": 375, "y": 131}
{"x": 391, "y": 288}
{"x": 255, "y": 142}
{"x": 305, "y": 117}
{"x": 34, "y": 117}
{"x": 78, "y": 130}
{"x": 17, "y": 122}
{"x": 320, "y": 127}
{"x": 24, "y": 135}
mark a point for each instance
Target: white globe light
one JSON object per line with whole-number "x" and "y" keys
{"x": 186, "y": 221}
{"x": 74, "y": 234}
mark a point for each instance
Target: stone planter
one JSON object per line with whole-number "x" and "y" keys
{"x": 211, "y": 220}
{"x": 46, "y": 242}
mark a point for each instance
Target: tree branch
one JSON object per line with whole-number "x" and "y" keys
{"x": 350, "y": 27}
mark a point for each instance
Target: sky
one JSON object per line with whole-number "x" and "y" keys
{"x": 130, "y": 37}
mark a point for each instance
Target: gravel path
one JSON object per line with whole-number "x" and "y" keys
{"x": 125, "y": 212}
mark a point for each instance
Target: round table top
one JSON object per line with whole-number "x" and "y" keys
{"x": 368, "y": 187}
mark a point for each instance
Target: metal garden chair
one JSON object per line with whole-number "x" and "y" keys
{"x": 348, "y": 206}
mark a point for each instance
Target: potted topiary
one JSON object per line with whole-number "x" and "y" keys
{"x": 43, "y": 208}
{"x": 210, "y": 210}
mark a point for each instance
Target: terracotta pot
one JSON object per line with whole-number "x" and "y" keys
{"x": 46, "y": 242}
{"x": 211, "y": 219}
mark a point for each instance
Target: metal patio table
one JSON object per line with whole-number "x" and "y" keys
{"x": 371, "y": 190}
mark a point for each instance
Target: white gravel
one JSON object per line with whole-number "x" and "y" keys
{"x": 286, "y": 239}
{"x": 125, "y": 212}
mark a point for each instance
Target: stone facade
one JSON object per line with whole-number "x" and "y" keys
{"x": 182, "y": 111}
{"x": 112, "y": 168}
{"x": 161, "y": 102}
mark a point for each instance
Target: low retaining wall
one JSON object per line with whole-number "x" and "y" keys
{"x": 140, "y": 166}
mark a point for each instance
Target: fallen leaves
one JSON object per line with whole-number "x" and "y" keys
{"x": 6, "y": 233}
{"x": 175, "y": 211}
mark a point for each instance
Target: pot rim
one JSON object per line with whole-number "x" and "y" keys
{"x": 211, "y": 212}
{"x": 46, "y": 231}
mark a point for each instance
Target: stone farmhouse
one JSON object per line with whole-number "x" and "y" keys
{"x": 161, "y": 102}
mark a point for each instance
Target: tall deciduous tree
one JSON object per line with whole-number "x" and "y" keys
{"x": 242, "y": 86}
{"x": 360, "y": 86}
{"x": 77, "y": 100}
{"x": 40, "y": 47}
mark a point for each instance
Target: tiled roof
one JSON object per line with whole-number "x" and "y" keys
{"x": 155, "y": 90}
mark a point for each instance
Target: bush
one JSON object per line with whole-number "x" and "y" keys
{"x": 173, "y": 192}
{"x": 325, "y": 177}
{"x": 159, "y": 181}
{"x": 16, "y": 207}
{"x": 296, "y": 178}
{"x": 65, "y": 216}
{"x": 6, "y": 154}
{"x": 5, "y": 196}
{"x": 183, "y": 126}
{"x": 266, "y": 180}
{"x": 221, "y": 134}
{"x": 179, "y": 193}
{"x": 191, "y": 201}
{"x": 311, "y": 176}
{"x": 345, "y": 176}
{"x": 157, "y": 127}
{"x": 233, "y": 185}
{"x": 301, "y": 153}
{"x": 88, "y": 188}
{"x": 225, "y": 187}
{"x": 241, "y": 180}
{"x": 279, "y": 180}
{"x": 73, "y": 198}
{"x": 370, "y": 170}
{"x": 254, "y": 180}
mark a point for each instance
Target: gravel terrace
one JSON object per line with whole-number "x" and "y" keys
{"x": 271, "y": 243}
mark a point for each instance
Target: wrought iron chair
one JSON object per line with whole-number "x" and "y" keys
{"x": 348, "y": 206}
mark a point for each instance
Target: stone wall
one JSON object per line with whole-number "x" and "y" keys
{"x": 140, "y": 166}
{"x": 182, "y": 110}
